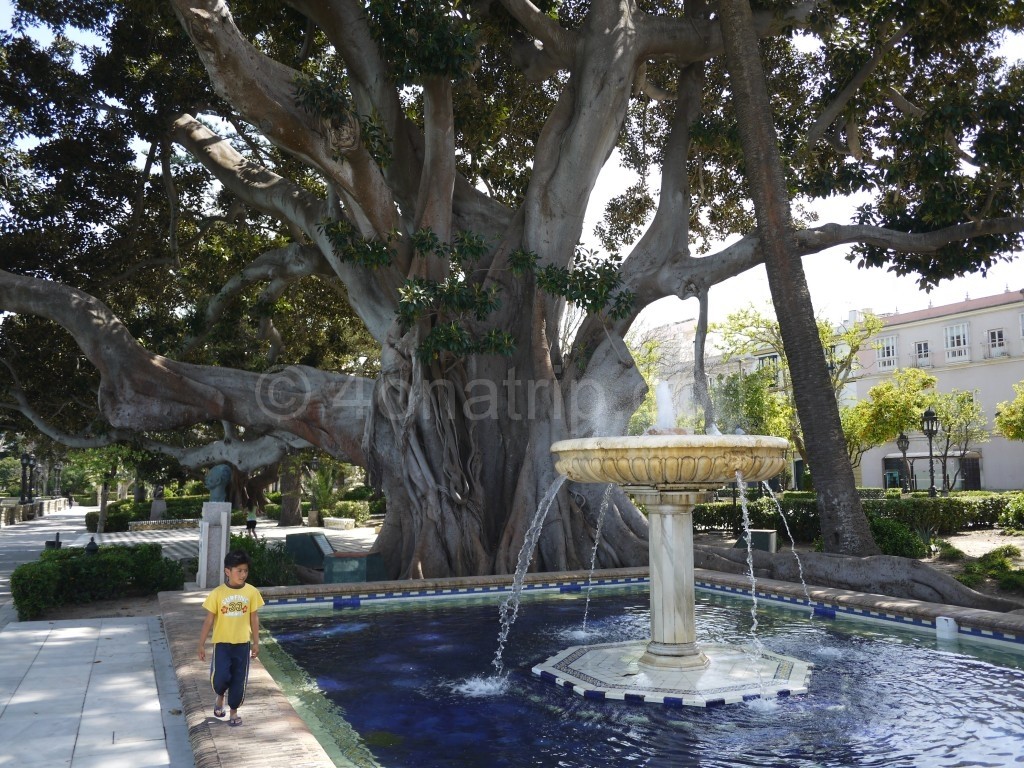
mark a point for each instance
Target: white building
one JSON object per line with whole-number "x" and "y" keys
{"x": 974, "y": 345}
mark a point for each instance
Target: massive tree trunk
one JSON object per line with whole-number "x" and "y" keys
{"x": 844, "y": 526}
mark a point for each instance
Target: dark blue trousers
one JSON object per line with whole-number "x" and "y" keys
{"x": 229, "y": 671}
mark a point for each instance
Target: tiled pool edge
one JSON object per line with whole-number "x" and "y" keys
{"x": 278, "y": 736}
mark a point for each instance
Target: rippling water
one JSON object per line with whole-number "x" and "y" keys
{"x": 415, "y": 683}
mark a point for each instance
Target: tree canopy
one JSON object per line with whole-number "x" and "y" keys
{"x": 231, "y": 229}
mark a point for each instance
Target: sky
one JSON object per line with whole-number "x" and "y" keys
{"x": 836, "y": 285}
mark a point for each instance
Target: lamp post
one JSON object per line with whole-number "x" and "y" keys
{"x": 31, "y": 478}
{"x": 903, "y": 442}
{"x": 24, "y": 479}
{"x": 930, "y": 427}
{"x": 57, "y": 469}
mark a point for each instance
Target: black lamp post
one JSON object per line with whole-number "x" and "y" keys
{"x": 31, "y": 478}
{"x": 930, "y": 427}
{"x": 903, "y": 442}
{"x": 24, "y": 479}
{"x": 57, "y": 469}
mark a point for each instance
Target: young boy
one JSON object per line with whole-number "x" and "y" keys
{"x": 231, "y": 613}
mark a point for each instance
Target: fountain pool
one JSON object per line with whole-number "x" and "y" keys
{"x": 409, "y": 684}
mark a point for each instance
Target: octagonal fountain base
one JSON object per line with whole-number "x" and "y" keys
{"x": 732, "y": 675}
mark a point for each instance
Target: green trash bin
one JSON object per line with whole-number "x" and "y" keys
{"x": 351, "y": 567}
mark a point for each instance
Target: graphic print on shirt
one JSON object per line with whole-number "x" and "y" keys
{"x": 233, "y": 605}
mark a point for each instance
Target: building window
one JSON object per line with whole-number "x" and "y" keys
{"x": 922, "y": 354}
{"x": 957, "y": 348}
{"x": 996, "y": 343}
{"x": 771, "y": 361}
{"x": 885, "y": 353}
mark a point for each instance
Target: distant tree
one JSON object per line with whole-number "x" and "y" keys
{"x": 755, "y": 333}
{"x": 963, "y": 424}
{"x": 891, "y": 407}
{"x": 1009, "y": 419}
{"x": 751, "y": 401}
{"x": 647, "y": 354}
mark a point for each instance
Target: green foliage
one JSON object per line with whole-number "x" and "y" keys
{"x": 646, "y": 353}
{"x": 592, "y": 282}
{"x": 359, "y": 493}
{"x": 925, "y": 517}
{"x": 356, "y": 510}
{"x": 891, "y": 407}
{"x": 1009, "y": 418}
{"x": 351, "y": 247}
{"x": 800, "y": 514}
{"x": 896, "y": 538}
{"x": 72, "y": 576}
{"x": 120, "y": 513}
{"x": 1012, "y": 517}
{"x": 270, "y": 564}
{"x": 998, "y": 565}
{"x": 947, "y": 552}
{"x": 424, "y": 38}
{"x": 940, "y": 516}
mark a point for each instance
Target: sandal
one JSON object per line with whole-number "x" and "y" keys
{"x": 236, "y": 720}
{"x": 218, "y": 711}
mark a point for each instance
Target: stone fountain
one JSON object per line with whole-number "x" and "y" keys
{"x": 669, "y": 474}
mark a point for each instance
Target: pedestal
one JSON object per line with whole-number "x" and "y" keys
{"x": 214, "y": 534}
{"x": 673, "y": 628}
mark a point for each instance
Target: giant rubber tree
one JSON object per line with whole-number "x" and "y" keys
{"x": 432, "y": 162}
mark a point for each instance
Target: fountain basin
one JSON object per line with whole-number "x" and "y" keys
{"x": 670, "y": 461}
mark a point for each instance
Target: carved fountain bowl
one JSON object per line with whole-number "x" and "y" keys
{"x": 671, "y": 461}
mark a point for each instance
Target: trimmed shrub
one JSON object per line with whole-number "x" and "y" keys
{"x": 1013, "y": 515}
{"x": 896, "y": 538}
{"x": 73, "y": 576}
{"x": 871, "y": 493}
{"x": 358, "y": 493}
{"x": 356, "y": 510}
{"x": 270, "y": 564}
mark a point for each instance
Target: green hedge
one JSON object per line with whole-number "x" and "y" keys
{"x": 62, "y": 576}
{"x": 120, "y": 513}
{"x": 925, "y": 516}
{"x": 270, "y": 564}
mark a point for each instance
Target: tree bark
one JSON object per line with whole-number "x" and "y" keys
{"x": 844, "y": 526}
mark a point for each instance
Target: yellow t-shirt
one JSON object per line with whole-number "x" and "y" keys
{"x": 231, "y": 609}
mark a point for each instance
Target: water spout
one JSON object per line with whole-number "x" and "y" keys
{"x": 510, "y": 606}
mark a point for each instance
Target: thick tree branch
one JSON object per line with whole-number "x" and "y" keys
{"x": 542, "y": 27}
{"x": 691, "y": 39}
{"x": 263, "y": 91}
{"x": 437, "y": 183}
{"x": 828, "y": 235}
{"x": 838, "y": 104}
{"x": 144, "y": 391}
{"x": 279, "y": 268}
{"x": 373, "y": 293}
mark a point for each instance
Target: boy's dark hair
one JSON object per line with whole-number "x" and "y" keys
{"x": 236, "y": 557}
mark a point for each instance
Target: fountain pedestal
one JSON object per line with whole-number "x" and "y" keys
{"x": 670, "y": 475}
{"x": 673, "y": 628}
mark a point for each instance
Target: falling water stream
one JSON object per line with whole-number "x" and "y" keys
{"x": 510, "y": 605}
{"x": 605, "y": 498}
{"x": 789, "y": 534}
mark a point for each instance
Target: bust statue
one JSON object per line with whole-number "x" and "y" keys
{"x": 218, "y": 479}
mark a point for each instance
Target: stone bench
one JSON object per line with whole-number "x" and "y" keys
{"x": 161, "y": 525}
{"x": 339, "y": 523}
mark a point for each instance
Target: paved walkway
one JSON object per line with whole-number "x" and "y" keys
{"x": 99, "y": 693}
